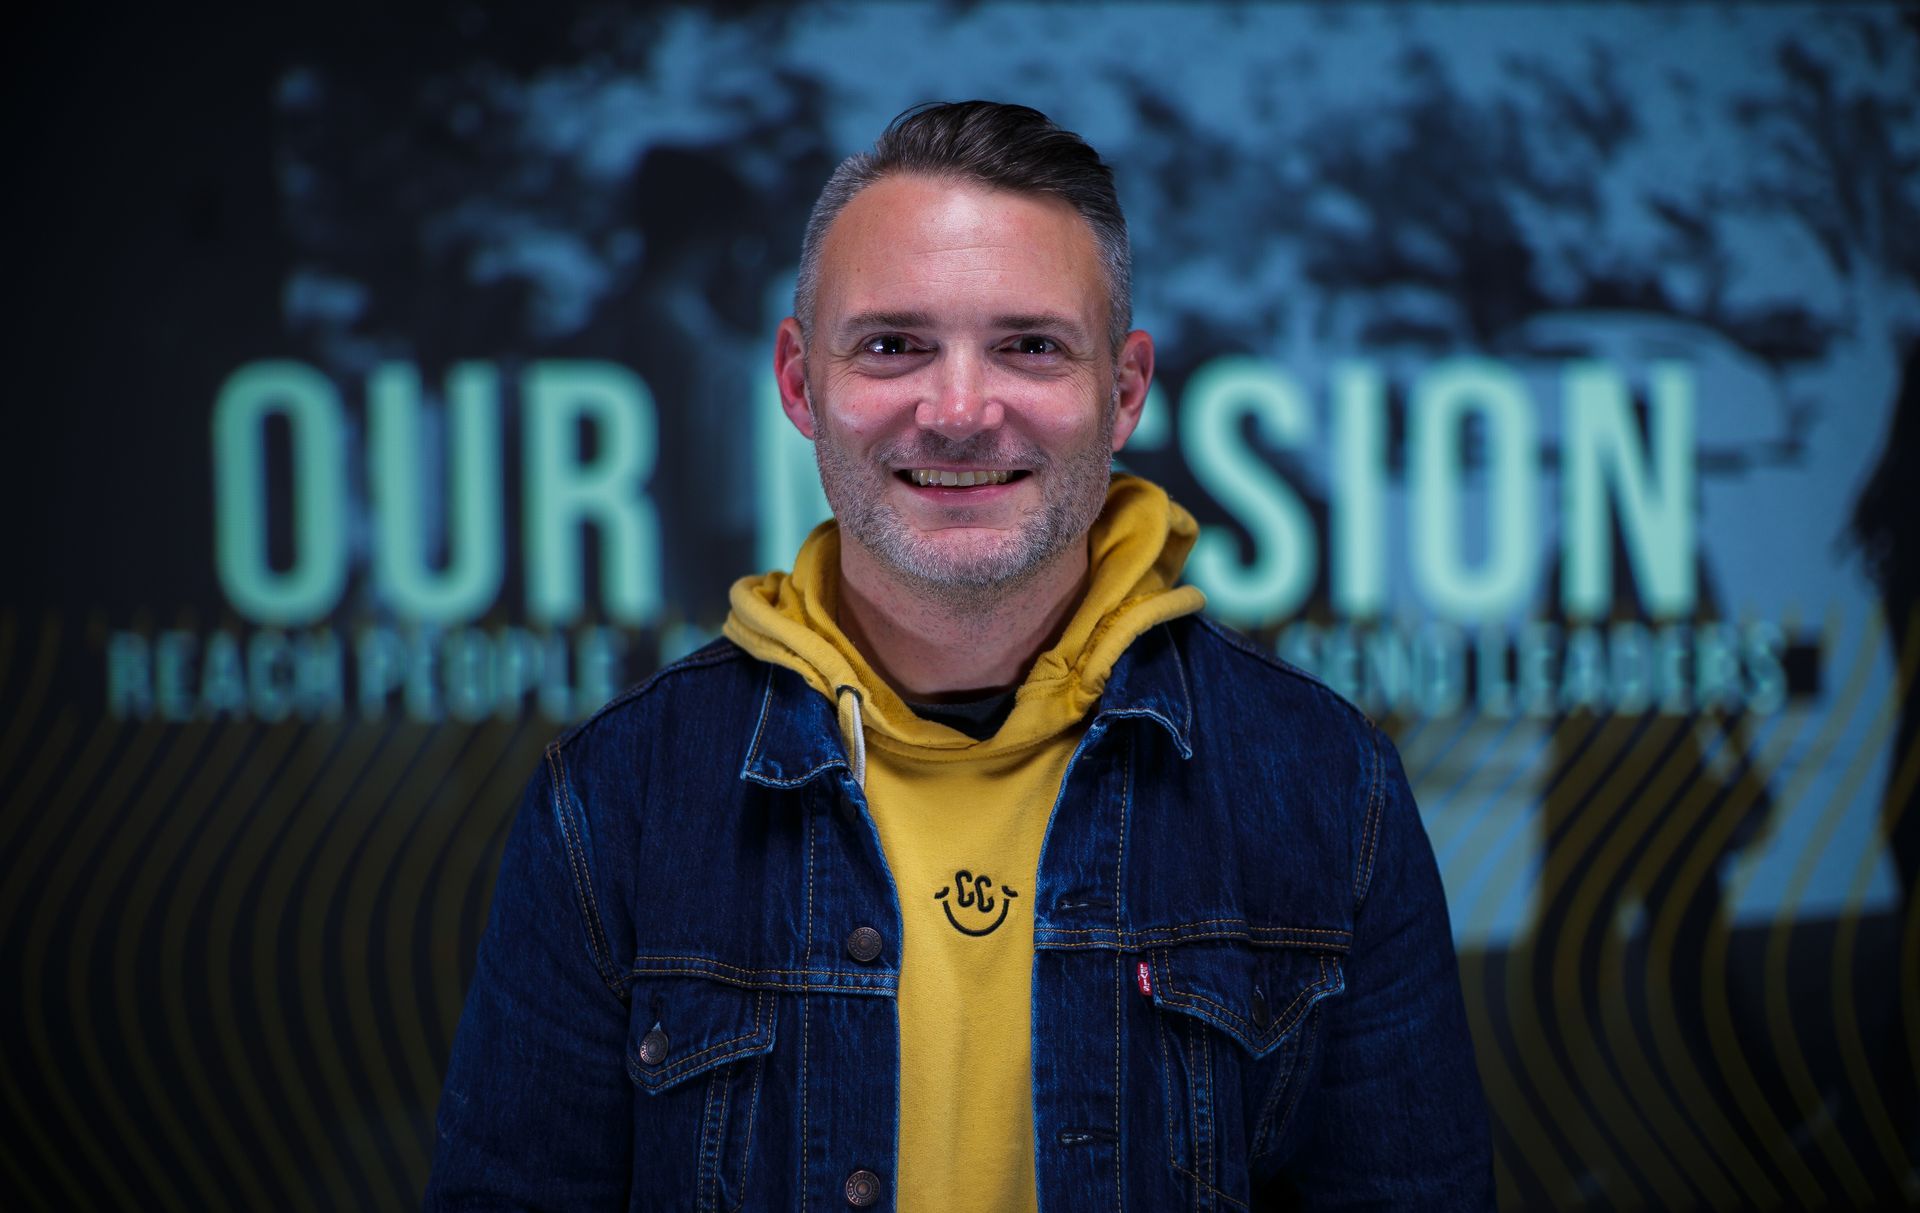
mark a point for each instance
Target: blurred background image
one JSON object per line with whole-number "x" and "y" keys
{"x": 392, "y": 388}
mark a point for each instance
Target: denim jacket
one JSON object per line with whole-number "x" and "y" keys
{"x": 1244, "y": 987}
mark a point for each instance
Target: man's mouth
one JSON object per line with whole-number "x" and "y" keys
{"x": 950, "y": 478}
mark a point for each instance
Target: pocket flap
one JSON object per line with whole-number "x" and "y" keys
{"x": 684, "y": 1026}
{"x": 1258, "y": 996}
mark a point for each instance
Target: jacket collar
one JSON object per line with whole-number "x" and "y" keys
{"x": 796, "y": 735}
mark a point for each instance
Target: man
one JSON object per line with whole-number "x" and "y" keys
{"x": 974, "y": 869}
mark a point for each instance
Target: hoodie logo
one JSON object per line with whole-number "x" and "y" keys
{"x": 975, "y": 894}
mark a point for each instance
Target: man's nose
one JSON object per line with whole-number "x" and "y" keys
{"x": 961, "y": 403}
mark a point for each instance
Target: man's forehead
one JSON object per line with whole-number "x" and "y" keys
{"x": 913, "y": 244}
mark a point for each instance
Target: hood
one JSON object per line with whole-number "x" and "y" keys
{"x": 1136, "y": 549}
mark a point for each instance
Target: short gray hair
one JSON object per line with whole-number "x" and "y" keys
{"x": 1009, "y": 147}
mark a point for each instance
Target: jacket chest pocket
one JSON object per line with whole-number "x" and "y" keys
{"x": 1237, "y": 1028}
{"x": 697, "y": 1051}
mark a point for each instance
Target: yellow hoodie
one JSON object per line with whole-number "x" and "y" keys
{"x": 961, "y": 823}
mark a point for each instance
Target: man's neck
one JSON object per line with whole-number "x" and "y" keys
{"x": 929, "y": 646}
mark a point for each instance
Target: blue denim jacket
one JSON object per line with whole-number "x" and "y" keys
{"x": 1244, "y": 987}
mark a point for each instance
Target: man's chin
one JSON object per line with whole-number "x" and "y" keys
{"x": 963, "y": 559}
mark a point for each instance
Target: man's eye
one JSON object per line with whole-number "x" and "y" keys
{"x": 1036, "y": 345}
{"x": 888, "y": 343}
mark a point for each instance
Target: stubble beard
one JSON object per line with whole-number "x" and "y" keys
{"x": 971, "y": 574}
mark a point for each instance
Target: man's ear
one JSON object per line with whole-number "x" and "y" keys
{"x": 790, "y": 373}
{"x": 1132, "y": 376}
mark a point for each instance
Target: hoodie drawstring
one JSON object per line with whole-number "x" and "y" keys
{"x": 856, "y": 733}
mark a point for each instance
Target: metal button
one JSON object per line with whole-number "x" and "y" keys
{"x": 863, "y": 944}
{"x": 1259, "y": 1010}
{"x": 863, "y": 1189}
{"x": 653, "y": 1047}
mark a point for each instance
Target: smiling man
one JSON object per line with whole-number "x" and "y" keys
{"x": 974, "y": 868}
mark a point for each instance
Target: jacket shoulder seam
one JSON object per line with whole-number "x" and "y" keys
{"x": 1279, "y": 664}
{"x": 719, "y": 652}
{"x": 1372, "y": 772}
{"x": 586, "y": 899}
{"x": 1370, "y": 826}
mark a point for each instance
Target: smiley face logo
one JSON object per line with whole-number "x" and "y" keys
{"x": 975, "y": 893}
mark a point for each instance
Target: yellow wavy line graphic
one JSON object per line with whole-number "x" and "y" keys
{"x": 1910, "y": 983}
{"x": 62, "y": 868}
{"x": 326, "y": 1037}
{"x": 20, "y": 1186}
{"x": 1723, "y": 1036}
{"x": 216, "y": 820}
{"x": 102, "y": 882}
{"x": 1779, "y": 1005}
{"x": 28, "y": 857}
{"x": 360, "y": 949}
{"x": 29, "y": 706}
{"x": 1658, "y": 797}
{"x": 257, "y": 823}
{"x": 472, "y": 860}
{"x": 1846, "y": 1016}
{"x": 224, "y": 749}
{"x": 1491, "y": 779}
{"x": 1762, "y": 757}
{"x": 1528, "y": 1125}
{"x": 355, "y": 750}
{"x": 421, "y": 873}
{"x": 1558, "y": 1096}
{"x": 28, "y": 1117}
{"x": 1596, "y": 823}
{"x": 9, "y": 632}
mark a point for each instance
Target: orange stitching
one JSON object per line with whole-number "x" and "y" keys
{"x": 1290, "y": 1085}
{"x": 721, "y": 964}
{"x": 1106, "y": 940}
{"x": 1176, "y": 994}
{"x": 881, "y": 986}
{"x": 1193, "y": 1114}
{"x": 577, "y": 868}
{"x": 1166, "y": 1087}
{"x": 684, "y": 1063}
{"x": 1304, "y": 1057}
{"x": 1186, "y": 693}
{"x": 876, "y": 990}
{"x": 710, "y": 1145}
{"x": 664, "y": 1082}
{"x": 1204, "y": 1047}
{"x": 766, "y": 702}
{"x": 1119, "y": 995}
{"x": 1208, "y": 922}
{"x": 1192, "y": 996}
{"x": 1209, "y": 1187}
{"x": 1119, "y": 962}
{"x": 806, "y": 1040}
{"x": 753, "y": 1115}
{"x": 725, "y": 1076}
{"x": 1364, "y": 877}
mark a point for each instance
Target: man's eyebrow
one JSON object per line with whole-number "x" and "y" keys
{"x": 867, "y": 322}
{"x": 1043, "y": 322}
{"x": 1016, "y": 322}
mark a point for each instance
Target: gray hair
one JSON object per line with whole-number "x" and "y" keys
{"x": 1009, "y": 147}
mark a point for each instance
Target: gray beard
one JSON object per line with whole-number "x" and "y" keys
{"x": 1075, "y": 490}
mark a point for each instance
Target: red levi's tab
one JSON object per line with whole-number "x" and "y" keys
{"x": 1143, "y": 978}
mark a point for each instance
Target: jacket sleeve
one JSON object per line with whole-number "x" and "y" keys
{"x": 536, "y": 1109}
{"x": 1401, "y": 1122}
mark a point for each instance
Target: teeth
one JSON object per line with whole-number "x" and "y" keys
{"x": 927, "y": 477}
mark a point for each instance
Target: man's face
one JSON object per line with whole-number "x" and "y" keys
{"x": 959, "y": 387}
